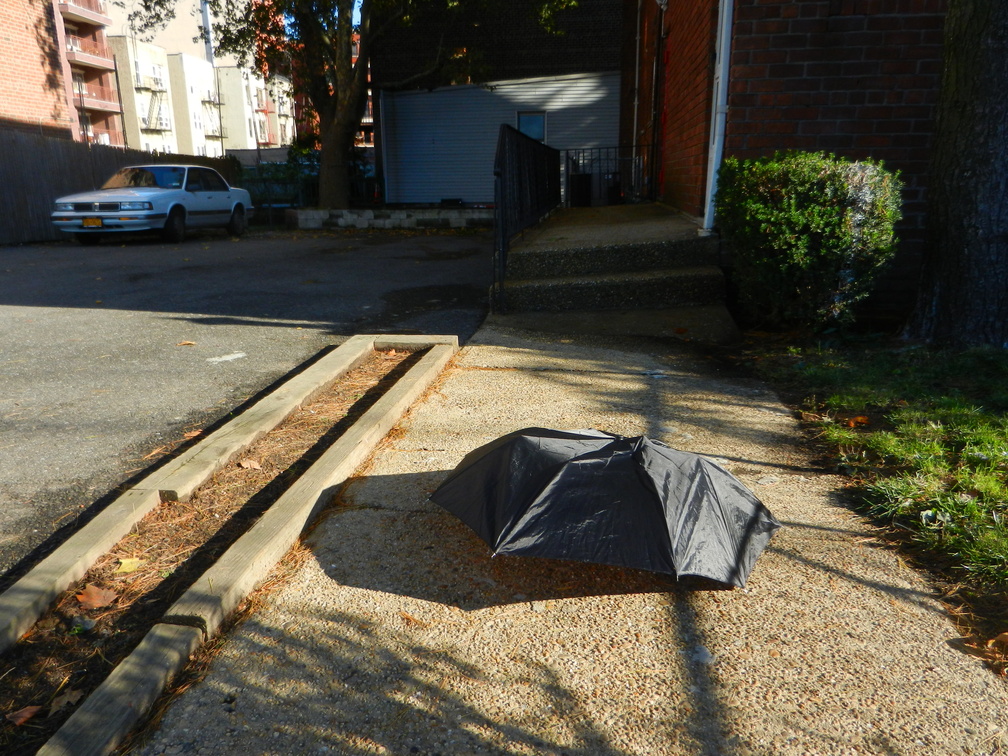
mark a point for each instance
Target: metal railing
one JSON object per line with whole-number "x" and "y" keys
{"x": 608, "y": 175}
{"x": 105, "y": 136}
{"x": 95, "y": 92}
{"x": 527, "y": 188}
{"x": 87, "y": 46}
{"x": 95, "y": 6}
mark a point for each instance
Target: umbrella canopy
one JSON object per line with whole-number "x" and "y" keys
{"x": 597, "y": 497}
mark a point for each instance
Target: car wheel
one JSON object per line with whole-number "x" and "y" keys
{"x": 174, "y": 227}
{"x": 238, "y": 223}
{"x": 87, "y": 239}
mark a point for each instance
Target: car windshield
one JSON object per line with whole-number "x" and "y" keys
{"x": 165, "y": 177}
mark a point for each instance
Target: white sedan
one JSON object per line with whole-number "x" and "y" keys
{"x": 165, "y": 198}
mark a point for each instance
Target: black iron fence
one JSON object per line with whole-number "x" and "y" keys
{"x": 607, "y": 175}
{"x": 527, "y": 187}
{"x": 277, "y": 186}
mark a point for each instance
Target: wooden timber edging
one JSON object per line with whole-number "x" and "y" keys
{"x": 105, "y": 718}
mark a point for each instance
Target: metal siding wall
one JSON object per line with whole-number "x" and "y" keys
{"x": 441, "y": 144}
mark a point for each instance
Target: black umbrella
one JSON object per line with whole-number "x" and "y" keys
{"x": 597, "y": 497}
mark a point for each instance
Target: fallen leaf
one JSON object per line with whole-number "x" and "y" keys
{"x": 191, "y": 434}
{"x": 66, "y": 699}
{"x": 186, "y": 343}
{"x": 21, "y": 716}
{"x": 411, "y": 620}
{"x": 999, "y": 643}
{"x": 94, "y": 597}
{"x": 129, "y": 564}
{"x": 249, "y": 464}
{"x": 859, "y": 420}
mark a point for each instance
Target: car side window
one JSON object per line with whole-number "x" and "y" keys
{"x": 194, "y": 181}
{"x": 213, "y": 182}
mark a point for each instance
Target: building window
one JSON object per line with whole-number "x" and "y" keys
{"x": 533, "y": 124}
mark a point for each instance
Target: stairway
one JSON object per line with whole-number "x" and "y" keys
{"x": 605, "y": 263}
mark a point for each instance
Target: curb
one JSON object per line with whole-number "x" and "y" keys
{"x": 118, "y": 704}
{"x": 25, "y": 601}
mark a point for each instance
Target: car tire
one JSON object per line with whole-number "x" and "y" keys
{"x": 238, "y": 223}
{"x": 174, "y": 227}
{"x": 87, "y": 239}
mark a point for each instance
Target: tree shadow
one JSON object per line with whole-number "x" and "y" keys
{"x": 402, "y": 633}
{"x": 50, "y": 60}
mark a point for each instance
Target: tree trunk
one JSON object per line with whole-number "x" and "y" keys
{"x": 963, "y": 299}
{"x": 337, "y": 140}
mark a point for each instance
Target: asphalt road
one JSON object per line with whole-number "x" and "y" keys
{"x": 108, "y": 352}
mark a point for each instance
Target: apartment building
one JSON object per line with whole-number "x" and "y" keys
{"x": 148, "y": 116}
{"x": 196, "y": 105}
{"x": 92, "y": 69}
{"x": 70, "y": 77}
{"x": 61, "y": 76}
{"x": 256, "y": 113}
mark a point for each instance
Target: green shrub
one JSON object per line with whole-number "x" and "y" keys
{"x": 809, "y": 233}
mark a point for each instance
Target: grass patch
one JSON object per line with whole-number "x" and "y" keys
{"x": 924, "y": 433}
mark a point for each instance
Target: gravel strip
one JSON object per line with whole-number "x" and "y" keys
{"x": 402, "y": 636}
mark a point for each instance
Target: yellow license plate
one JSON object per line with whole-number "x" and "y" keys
{"x": 91, "y": 222}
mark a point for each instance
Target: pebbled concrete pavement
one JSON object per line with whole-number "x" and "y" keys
{"x": 402, "y": 636}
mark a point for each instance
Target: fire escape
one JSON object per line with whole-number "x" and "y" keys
{"x": 213, "y": 127}
{"x": 157, "y": 103}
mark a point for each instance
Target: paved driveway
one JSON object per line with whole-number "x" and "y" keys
{"x": 108, "y": 352}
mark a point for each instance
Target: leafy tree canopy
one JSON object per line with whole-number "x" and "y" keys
{"x": 325, "y": 48}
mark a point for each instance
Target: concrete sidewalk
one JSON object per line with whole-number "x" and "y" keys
{"x": 400, "y": 635}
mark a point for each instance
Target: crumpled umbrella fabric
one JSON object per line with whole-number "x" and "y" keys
{"x": 592, "y": 496}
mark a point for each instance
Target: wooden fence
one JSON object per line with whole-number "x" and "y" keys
{"x": 36, "y": 169}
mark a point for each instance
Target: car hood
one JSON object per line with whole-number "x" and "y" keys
{"x": 116, "y": 195}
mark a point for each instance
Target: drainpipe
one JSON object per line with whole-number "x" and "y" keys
{"x": 657, "y": 101}
{"x": 720, "y": 109}
{"x": 122, "y": 116}
{"x": 220, "y": 118}
{"x": 636, "y": 86}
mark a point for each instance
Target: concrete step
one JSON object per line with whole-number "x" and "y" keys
{"x": 641, "y": 256}
{"x": 678, "y": 287}
{"x": 706, "y": 324}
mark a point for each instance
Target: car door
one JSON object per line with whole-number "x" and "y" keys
{"x": 218, "y": 196}
{"x": 199, "y": 207}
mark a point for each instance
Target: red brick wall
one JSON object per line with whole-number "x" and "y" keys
{"x": 687, "y": 89}
{"x": 640, "y": 97}
{"x": 32, "y": 92}
{"x": 857, "y": 78}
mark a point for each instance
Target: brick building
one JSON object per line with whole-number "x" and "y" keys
{"x": 32, "y": 96}
{"x": 858, "y": 78}
{"x": 60, "y": 73}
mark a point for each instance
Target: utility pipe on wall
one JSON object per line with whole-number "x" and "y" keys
{"x": 636, "y": 85}
{"x": 719, "y": 111}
